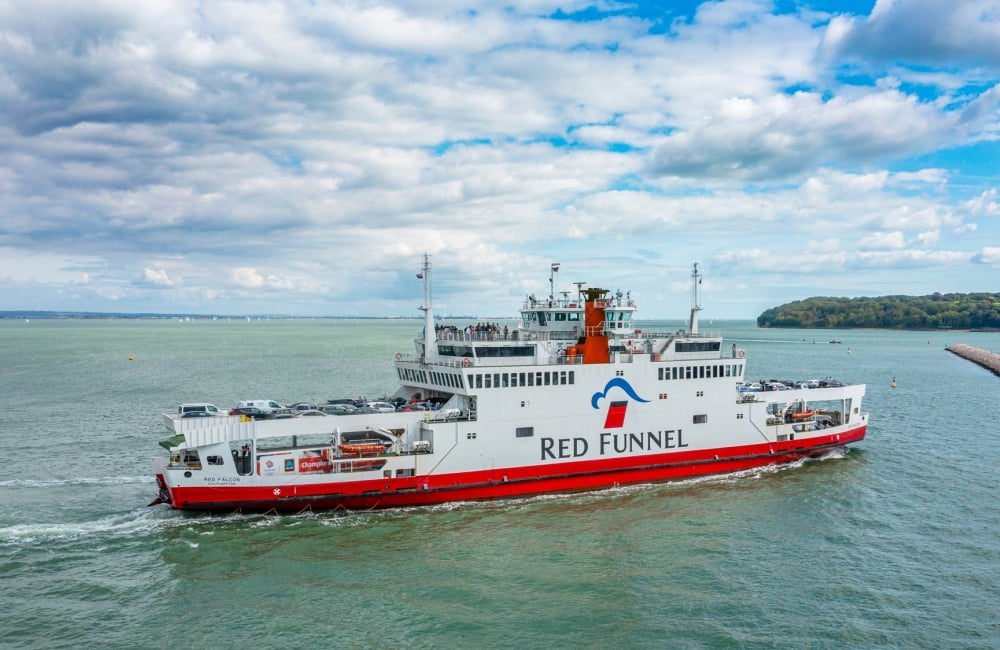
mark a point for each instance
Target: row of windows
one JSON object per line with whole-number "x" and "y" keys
{"x": 557, "y": 377}
{"x": 490, "y": 380}
{"x": 698, "y": 346}
{"x": 702, "y": 372}
{"x": 430, "y": 377}
{"x": 539, "y": 317}
{"x": 483, "y": 351}
{"x": 412, "y": 374}
{"x": 515, "y": 379}
{"x": 506, "y": 351}
{"x": 446, "y": 379}
{"x": 454, "y": 350}
{"x": 619, "y": 316}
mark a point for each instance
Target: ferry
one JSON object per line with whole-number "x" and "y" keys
{"x": 576, "y": 397}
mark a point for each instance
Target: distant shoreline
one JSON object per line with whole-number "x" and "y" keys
{"x": 89, "y": 315}
{"x": 56, "y": 315}
{"x": 86, "y": 315}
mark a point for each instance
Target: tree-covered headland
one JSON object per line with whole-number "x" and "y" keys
{"x": 938, "y": 310}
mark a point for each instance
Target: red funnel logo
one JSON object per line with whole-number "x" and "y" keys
{"x": 616, "y": 415}
{"x": 616, "y": 411}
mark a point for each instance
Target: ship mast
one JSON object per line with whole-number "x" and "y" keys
{"x": 429, "y": 334}
{"x": 695, "y": 305}
{"x": 552, "y": 283}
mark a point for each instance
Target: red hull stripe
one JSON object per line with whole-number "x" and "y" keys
{"x": 510, "y": 482}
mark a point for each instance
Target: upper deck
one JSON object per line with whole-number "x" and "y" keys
{"x": 593, "y": 326}
{"x": 552, "y": 346}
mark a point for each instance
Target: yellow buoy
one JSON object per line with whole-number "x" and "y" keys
{"x": 131, "y": 357}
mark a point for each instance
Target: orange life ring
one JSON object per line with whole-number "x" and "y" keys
{"x": 742, "y": 354}
{"x": 466, "y": 362}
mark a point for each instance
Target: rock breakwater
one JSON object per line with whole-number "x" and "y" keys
{"x": 984, "y": 358}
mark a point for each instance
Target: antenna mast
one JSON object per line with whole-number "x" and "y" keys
{"x": 429, "y": 334}
{"x": 695, "y": 304}
{"x": 552, "y": 283}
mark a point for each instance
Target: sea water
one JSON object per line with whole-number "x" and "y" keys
{"x": 892, "y": 543}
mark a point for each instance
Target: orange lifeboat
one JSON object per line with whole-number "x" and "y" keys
{"x": 364, "y": 449}
{"x": 802, "y": 415}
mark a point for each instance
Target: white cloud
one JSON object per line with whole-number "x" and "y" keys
{"x": 936, "y": 32}
{"x": 929, "y": 238}
{"x": 158, "y": 276}
{"x": 783, "y": 135}
{"x": 984, "y": 205}
{"x": 990, "y": 256}
{"x": 297, "y": 157}
{"x": 246, "y": 277}
{"x": 883, "y": 240}
{"x": 23, "y": 268}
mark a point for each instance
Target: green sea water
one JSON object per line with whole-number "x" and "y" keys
{"x": 894, "y": 543}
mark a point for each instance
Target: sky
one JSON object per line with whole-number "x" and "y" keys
{"x": 299, "y": 158}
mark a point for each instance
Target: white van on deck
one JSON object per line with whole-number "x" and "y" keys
{"x": 258, "y": 407}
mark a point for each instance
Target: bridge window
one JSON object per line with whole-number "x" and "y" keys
{"x": 506, "y": 351}
{"x": 699, "y": 346}
{"x": 454, "y": 350}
